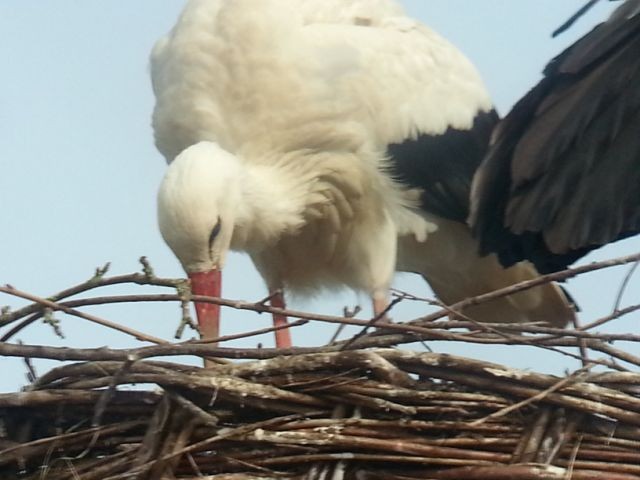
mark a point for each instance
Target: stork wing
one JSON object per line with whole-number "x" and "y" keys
{"x": 426, "y": 104}
{"x": 442, "y": 165}
{"x": 563, "y": 173}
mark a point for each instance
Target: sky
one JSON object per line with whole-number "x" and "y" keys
{"x": 79, "y": 171}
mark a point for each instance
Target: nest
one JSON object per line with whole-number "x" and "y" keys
{"x": 376, "y": 414}
{"x": 359, "y": 409}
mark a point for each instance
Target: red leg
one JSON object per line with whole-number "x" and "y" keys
{"x": 283, "y": 336}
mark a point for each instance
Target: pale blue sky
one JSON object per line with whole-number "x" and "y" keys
{"x": 79, "y": 172}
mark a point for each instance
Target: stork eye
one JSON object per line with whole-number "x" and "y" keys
{"x": 214, "y": 233}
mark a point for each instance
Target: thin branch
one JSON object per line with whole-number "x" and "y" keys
{"x": 582, "y": 344}
{"x": 566, "y": 25}
{"x": 371, "y": 323}
{"x": 92, "y": 318}
{"x": 615, "y": 315}
{"x": 574, "y": 377}
{"x": 623, "y": 286}
{"x": 528, "y": 284}
{"x": 94, "y": 282}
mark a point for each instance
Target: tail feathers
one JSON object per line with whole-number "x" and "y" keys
{"x": 449, "y": 262}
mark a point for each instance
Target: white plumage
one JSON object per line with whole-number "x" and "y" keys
{"x": 273, "y": 72}
{"x": 276, "y": 117}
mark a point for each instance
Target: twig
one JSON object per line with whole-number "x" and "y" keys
{"x": 230, "y": 433}
{"x": 572, "y": 459}
{"x": 608, "y": 318}
{"x": 198, "y": 413}
{"x": 92, "y": 318}
{"x": 540, "y": 396}
{"x": 541, "y": 280}
{"x": 347, "y": 313}
{"x": 566, "y": 25}
{"x": 103, "y": 401}
{"x": 373, "y": 322}
{"x": 147, "y": 269}
{"x": 109, "y": 392}
{"x": 94, "y": 282}
{"x": 623, "y": 286}
{"x": 194, "y": 348}
{"x": 582, "y": 343}
{"x": 251, "y": 333}
{"x": 32, "y": 375}
{"x": 54, "y": 323}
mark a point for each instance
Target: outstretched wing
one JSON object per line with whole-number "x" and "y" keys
{"x": 563, "y": 174}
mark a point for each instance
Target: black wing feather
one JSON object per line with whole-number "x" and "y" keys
{"x": 442, "y": 166}
{"x": 563, "y": 174}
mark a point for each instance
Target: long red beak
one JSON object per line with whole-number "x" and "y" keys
{"x": 209, "y": 284}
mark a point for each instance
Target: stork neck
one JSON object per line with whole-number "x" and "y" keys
{"x": 272, "y": 204}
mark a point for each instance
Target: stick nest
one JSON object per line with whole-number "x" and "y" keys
{"x": 359, "y": 409}
{"x": 375, "y": 414}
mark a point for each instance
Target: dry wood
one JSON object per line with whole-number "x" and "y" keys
{"x": 400, "y": 435}
{"x": 359, "y": 408}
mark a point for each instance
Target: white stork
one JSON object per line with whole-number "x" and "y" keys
{"x": 563, "y": 174}
{"x": 322, "y": 137}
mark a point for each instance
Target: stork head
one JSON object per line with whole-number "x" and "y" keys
{"x": 197, "y": 206}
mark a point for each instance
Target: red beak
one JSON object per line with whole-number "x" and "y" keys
{"x": 209, "y": 284}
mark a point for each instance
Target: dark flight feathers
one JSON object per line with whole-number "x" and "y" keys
{"x": 442, "y": 166}
{"x": 563, "y": 174}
